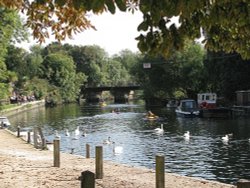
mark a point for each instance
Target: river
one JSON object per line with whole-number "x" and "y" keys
{"x": 203, "y": 155}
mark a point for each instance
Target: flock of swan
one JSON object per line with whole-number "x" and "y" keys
{"x": 186, "y": 135}
{"x": 119, "y": 149}
{"x": 76, "y": 135}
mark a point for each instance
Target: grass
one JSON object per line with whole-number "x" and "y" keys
{"x": 7, "y": 106}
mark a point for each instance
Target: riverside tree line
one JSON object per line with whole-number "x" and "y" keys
{"x": 60, "y": 71}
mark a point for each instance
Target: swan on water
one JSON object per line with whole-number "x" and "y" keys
{"x": 77, "y": 131}
{"x": 57, "y": 136}
{"x": 160, "y": 130}
{"x": 67, "y": 133}
{"x": 117, "y": 149}
{"x": 186, "y": 135}
{"x": 108, "y": 141}
{"x": 84, "y": 133}
{"x": 225, "y": 138}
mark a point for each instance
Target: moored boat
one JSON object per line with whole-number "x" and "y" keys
{"x": 4, "y": 122}
{"x": 208, "y": 106}
{"x": 187, "y": 108}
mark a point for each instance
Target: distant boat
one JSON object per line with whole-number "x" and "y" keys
{"x": 4, "y": 122}
{"x": 187, "y": 108}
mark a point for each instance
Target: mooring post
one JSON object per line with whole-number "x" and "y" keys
{"x": 87, "y": 151}
{"x": 57, "y": 153}
{"x": 87, "y": 179}
{"x": 160, "y": 171}
{"x": 28, "y": 137}
{"x": 243, "y": 183}
{"x": 18, "y": 131}
{"x": 99, "y": 162}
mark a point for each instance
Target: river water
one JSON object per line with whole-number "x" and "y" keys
{"x": 203, "y": 155}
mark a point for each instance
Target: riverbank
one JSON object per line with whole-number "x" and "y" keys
{"x": 21, "y": 165}
{"x": 22, "y": 107}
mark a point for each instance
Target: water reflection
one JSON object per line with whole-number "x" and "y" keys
{"x": 202, "y": 155}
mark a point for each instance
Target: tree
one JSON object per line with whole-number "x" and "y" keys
{"x": 225, "y": 23}
{"x": 227, "y": 73}
{"x": 60, "y": 71}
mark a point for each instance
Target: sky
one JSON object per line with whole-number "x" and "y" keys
{"x": 114, "y": 33}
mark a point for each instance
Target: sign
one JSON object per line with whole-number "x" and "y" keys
{"x": 146, "y": 65}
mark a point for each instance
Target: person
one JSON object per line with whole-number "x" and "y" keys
{"x": 150, "y": 114}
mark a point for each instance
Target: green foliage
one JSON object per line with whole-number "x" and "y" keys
{"x": 227, "y": 73}
{"x": 181, "y": 75}
{"x": 60, "y": 71}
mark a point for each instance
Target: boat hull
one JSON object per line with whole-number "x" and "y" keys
{"x": 186, "y": 114}
{"x": 216, "y": 113}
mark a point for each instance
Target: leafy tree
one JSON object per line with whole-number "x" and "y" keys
{"x": 10, "y": 30}
{"x": 91, "y": 61}
{"x": 182, "y": 73}
{"x": 225, "y": 23}
{"x": 117, "y": 75}
{"x": 59, "y": 70}
{"x": 190, "y": 69}
{"x": 227, "y": 73}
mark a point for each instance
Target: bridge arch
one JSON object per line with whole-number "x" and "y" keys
{"x": 121, "y": 93}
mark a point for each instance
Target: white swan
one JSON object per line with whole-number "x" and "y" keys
{"x": 160, "y": 130}
{"x": 225, "y": 138}
{"x": 117, "y": 150}
{"x": 84, "y": 133}
{"x": 77, "y": 131}
{"x": 186, "y": 135}
{"x": 108, "y": 141}
{"x": 67, "y": 133}
{"x": 57, "y": 136}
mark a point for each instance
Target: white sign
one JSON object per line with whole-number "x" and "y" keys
{"x": 146, "y": 65}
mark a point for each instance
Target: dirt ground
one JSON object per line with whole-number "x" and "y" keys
{"x": 23, "y": 166}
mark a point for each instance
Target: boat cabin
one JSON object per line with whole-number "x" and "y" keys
{"x": 207, "y": 100}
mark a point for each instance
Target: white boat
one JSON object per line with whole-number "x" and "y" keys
{"x": 187, "y": 108}
{"x": 4, "y": 122}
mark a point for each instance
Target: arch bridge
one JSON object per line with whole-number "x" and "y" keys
{"x": 121, "y": 94}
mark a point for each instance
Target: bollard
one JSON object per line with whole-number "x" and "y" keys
{"x": 243, "y": 183}
{"x": 87, "y": 151}
{"x": 160, "y": 171}
{"x": 35, "y": 138}
{"x": 56, "y": 153}
{"x": 99, "y": 162}
{"x": 18, "y": 131}
{"x": 28, "y": 139}
{"x": 87, "y": 179}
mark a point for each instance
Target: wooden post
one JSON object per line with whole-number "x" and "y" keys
{"x": 243, "y": 183}
{"x": 87, "y": 179}
{"x": 18, "y": 131}
{"x": 87, "y": 151}
{"x": 56, "y": 153}
{"x": 160, "y": 171}
{"x": 99, "y": 162}
{"x": 35, "y": 137}
{"x": 28, "y": 139}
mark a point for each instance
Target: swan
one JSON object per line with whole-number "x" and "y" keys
{"x": 67, "y": 133}
{"x": 225, "y": 138}
{"x": 108, "y": 141}
{"x": 77, "y": 131}
{"x": 84, "y": 133}
{"x": 187, "y": 135}
{"x": 57, "y": 136}
{"x": 117, "y": 149}
{"x": 160, "y": 130}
